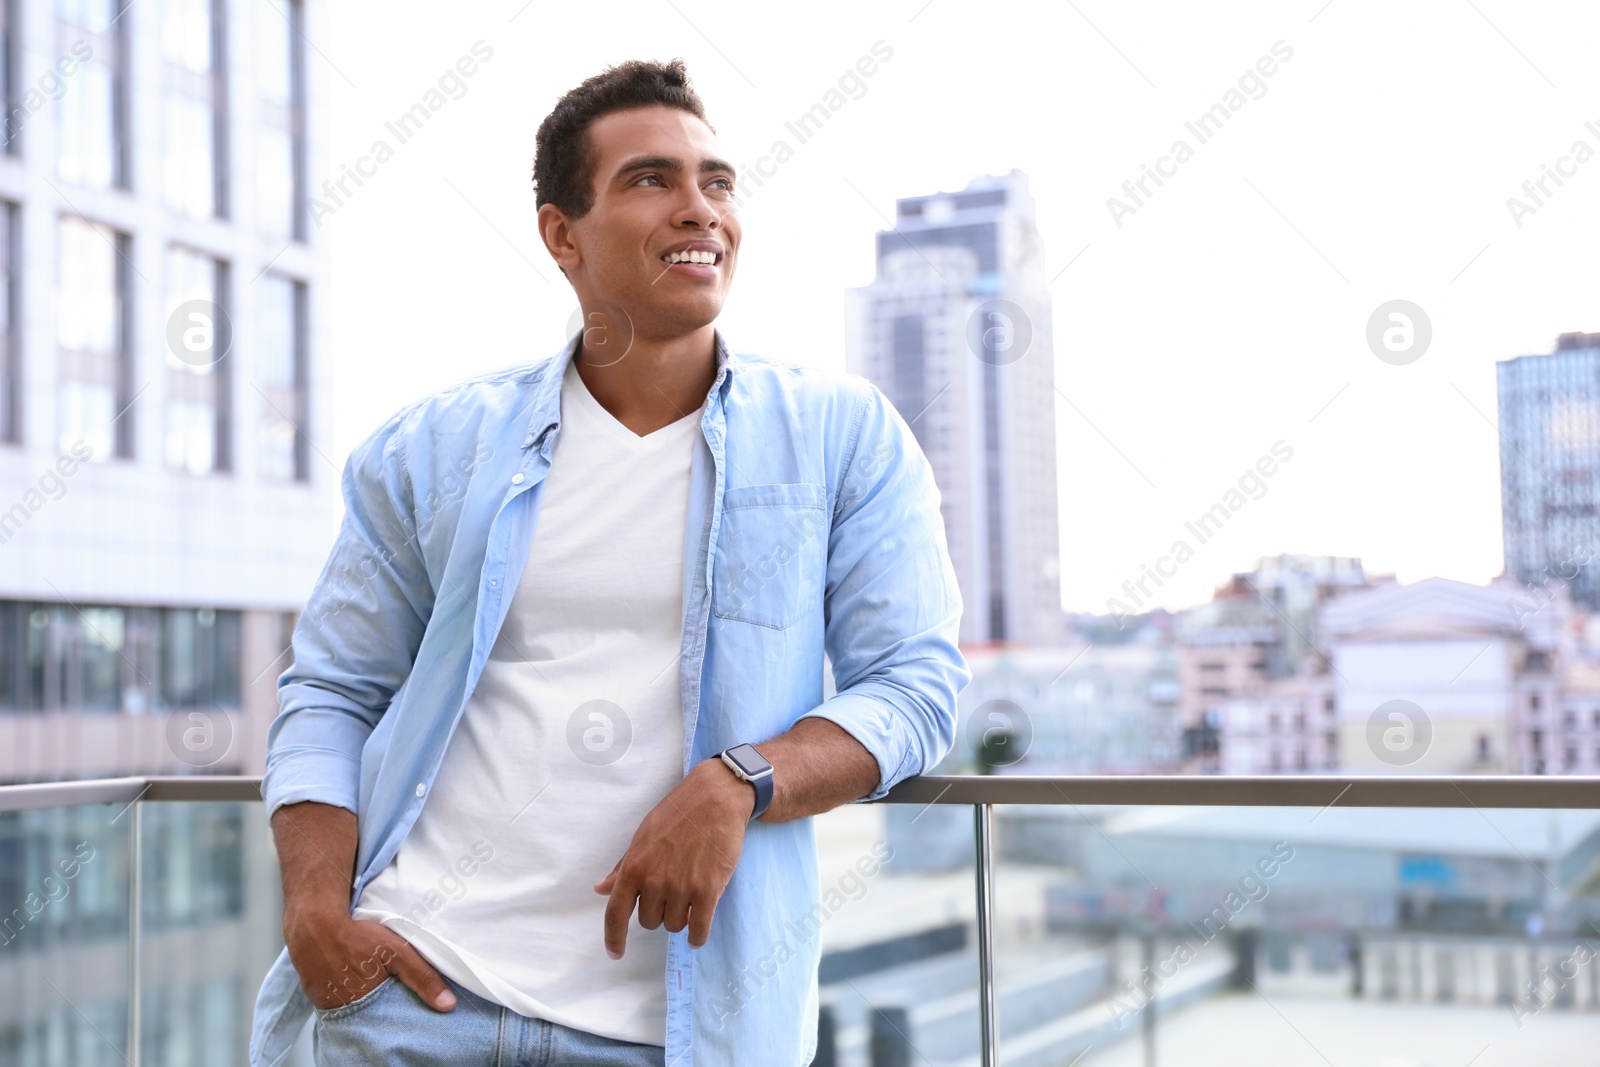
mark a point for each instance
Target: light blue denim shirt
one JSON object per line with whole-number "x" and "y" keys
{"x": 813, "y": 528}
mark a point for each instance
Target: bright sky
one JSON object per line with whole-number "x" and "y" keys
{"x": 1228, "y": 313}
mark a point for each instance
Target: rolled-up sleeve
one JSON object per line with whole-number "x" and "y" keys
{"x": 358, "y": 636}
{"x": 892, "y": 608}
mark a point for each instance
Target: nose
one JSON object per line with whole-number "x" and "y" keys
{"x": 698, "y": 212}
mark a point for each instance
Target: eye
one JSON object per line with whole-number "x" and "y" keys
{"x": 649, "y": 177}
{"x": 726, "y": 183}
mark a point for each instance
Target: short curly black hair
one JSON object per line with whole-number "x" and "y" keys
{"x": 563, "y": 166}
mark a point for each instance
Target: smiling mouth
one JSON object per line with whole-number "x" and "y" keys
{"x": 693, "y": 258}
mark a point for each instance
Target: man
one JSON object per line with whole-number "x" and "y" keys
{"x": 574, "y": 612}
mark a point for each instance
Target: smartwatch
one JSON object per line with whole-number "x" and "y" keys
{"x": 750, "y": 765}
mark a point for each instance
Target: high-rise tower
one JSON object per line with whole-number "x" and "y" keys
{"x": 956, "y": 332}
{"x": 1550, "y": 466}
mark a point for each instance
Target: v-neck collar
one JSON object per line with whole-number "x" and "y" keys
{"x": 575, "y": 390}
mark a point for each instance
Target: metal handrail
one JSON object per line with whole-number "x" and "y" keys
{"x": 1202, "y": 790}
{"x": 981, "y": 792}
{"x": 1277, "y": 791}
{"x": 127, "y": 790}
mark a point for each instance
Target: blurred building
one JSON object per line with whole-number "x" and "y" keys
{"x": 1293, "y": 589}
{"x": 1288, "y": 724}
{"x": 161, "y": 383}
{"x": 1349, "y": 869}
{"x": 1433, "y": 677}
{"x": 1255, "y": 641}
{"x": 1089, "y": 709}
{"x": 168, "y": 499}
{"x": 1442, "y": 676}
{"x": 956, "y": 332}
{"x": 1575, "y": 737}
{"x": 1550, "y": 466}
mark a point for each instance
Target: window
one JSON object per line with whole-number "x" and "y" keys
{"x": 15, "y": 116}
{"x": 104, "y": 657}
{"x": 198, "y": 336}
{"x": 199, "y": 657}
{"x": 94, "y": 360}
{"x": 283, "y": 623}
{"x": 10, "y": 352}
{"x": 280, "y": 132}
{"x": 192, "y": 108}
{"x": 96, "y": 643}
{"x": 282, "y": 444}
{"x": 909, "y": 353}
{"x": 91, "y": 144}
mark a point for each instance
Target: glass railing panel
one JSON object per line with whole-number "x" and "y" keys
{"x": 64, "y": 936}
{"x": 1211, "y": 936}
{"x": 898, "y": 937}
{"x": 212, "y": 908}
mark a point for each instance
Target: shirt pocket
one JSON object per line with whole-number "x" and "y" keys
{"x": 772, "y": 553}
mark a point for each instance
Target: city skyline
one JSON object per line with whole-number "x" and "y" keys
{"x": 1227, "y": 313}
{"x": 1300, "y": 286}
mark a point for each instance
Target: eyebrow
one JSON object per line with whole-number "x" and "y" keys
{"x": 708, "y": 165}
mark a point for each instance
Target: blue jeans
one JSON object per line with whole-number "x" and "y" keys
{"x": 392, "y": 1027}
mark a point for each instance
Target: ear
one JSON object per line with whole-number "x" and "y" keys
{"x": 555, "y": 229}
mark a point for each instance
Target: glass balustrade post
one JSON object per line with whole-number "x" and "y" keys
{"x": 987, "y": 1010}
{"x": 135, "y": 910}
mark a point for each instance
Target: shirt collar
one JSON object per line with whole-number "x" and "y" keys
{"x": 547, "y": 389}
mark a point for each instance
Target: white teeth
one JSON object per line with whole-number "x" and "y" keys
{"x": 691, "y": 257}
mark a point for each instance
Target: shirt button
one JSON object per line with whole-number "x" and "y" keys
{"x": 421, "y": 789}
{"x": 516, "y": 479}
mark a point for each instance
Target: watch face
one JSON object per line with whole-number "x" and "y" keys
{"x": 749, "y": 760}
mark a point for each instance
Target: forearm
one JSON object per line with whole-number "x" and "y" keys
{"x": 317, "y": 857}
{"x": 816, "y": 766}
{"x": 696, "y": 833}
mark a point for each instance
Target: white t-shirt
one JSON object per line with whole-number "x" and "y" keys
{"x": 574, "y": 732}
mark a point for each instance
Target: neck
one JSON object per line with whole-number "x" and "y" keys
{"x": 656, "y": 382}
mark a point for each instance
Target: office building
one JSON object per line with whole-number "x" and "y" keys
{"x": 1550, "y": 467}
{"x": 955, "y": 330}
{"x": 170, "y": 499}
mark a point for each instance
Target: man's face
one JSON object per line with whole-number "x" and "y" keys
{"x": 660, "y": 189}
